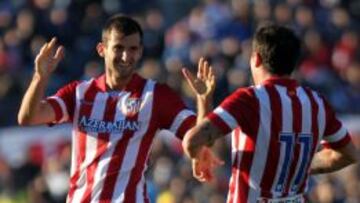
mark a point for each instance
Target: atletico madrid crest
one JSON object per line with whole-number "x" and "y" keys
{"x": 131, "y": 106}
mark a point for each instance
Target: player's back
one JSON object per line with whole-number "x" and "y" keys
{"x": 277, "y": 128}
{"x": 277, "y": 138}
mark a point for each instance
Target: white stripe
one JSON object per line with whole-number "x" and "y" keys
{"x": 321, "y": 115}
{"x": 287, "y": 126}
{"x": 226, "y": 117}
{"x": 65, "y": 115}
{"x": 340, "y": 134}
{"x": 179, "y": 119}
{"x": 140, "y": 191}
{"x": 234, "y": 148}
{"x": 132, "y": 149}
{"x": 262, "y": 143}
{"x": 81, "y": 89}
{"x": 306, "y": 115}
{"x": 286, "y": 106}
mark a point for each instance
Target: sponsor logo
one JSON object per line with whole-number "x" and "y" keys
{"x": 100, "y": 126}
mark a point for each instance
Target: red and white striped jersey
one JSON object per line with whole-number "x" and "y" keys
{"x": 112, "y": 135}
{"x": 276, "y": 129}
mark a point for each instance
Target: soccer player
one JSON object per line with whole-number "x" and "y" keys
{"x": 277, "y": 128}
{"x": 115, "y": 116}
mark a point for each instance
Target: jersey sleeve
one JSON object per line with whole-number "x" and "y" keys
{"x": 335, "y": 134}
{"x": 237, "y": 110}
{"x": 172, "y": 113}
{"x": 63, "y": 103}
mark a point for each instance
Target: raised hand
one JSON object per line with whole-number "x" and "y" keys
{"x": 204, "y": 84}
{"x": 204, "y": 164}
{"x": 47, "y": 59}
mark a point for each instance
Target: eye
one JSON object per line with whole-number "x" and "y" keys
{"x": 118, "y": 48}
{"x": 134, "y": 48}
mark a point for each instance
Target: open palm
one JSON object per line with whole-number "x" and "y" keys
{"x": 46, "y": 61}
{"x": 204, "y": 84}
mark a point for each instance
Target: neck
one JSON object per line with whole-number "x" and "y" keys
{"x": 117, "y": 82}
{"x": 261, "y": 75}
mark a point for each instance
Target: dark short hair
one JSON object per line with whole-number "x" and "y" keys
{"x": 278, "y": 47}
{"x": 123, "y": 24}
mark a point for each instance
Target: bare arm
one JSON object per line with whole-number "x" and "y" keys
{"x": 201, "y": 135}
{"x": 203, "y": 159}
{"x": 330, "y": 160}
{"x": 34, "y": 110}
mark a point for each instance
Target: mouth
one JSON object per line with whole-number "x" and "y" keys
{"x": 124, "y": 65}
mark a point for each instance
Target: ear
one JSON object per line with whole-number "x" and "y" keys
{"x": 100, "y": 49}
{"x": 257, "y": 59}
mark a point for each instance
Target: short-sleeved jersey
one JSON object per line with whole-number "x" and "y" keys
{"x": 276, "y": 129}
{"x": 112, "y": 135}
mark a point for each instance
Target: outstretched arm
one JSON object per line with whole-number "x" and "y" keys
{"x": 330, "y": 160}
{"x": 203, "y": 86}
{"x": 33, "y": 109}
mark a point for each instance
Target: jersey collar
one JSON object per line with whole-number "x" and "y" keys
{"x": 133, "y": 83}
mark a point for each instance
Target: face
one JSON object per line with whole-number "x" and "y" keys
{"x": 121, "y": 53}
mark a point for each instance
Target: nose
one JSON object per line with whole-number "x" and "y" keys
{"x": 125, "y": 55}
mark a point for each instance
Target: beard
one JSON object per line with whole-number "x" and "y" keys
{"x": 122, "y": 71}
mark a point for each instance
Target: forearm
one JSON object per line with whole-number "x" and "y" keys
{"x": 327, "y": 161}
{"x": 32, "y": 99}
{"x": 203, "y": 134}
{"x": 204, "y": 106}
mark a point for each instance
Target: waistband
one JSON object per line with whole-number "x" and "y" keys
{"x": 292, "y": 199}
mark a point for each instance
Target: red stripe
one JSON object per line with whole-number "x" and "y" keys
{"x": 248, "y": 153}
{"x": 332, "y": 124}
{"x": 119, "y": 153}
{"x": 273, "y": 153}
{"x": 136, "y": 173}
{"x": 315, "y": 133}
{"x": 335, "y": 145}
{"x": 85, "y": 110}
{"x": 102, "y": 143}
{"x": 185, "y": 126}
{"x": 57, "y": 108}
{"x": 297, "y": 123}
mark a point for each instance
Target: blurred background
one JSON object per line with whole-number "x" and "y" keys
{"x": 34, "y": 162}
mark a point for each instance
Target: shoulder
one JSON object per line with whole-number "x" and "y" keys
{"x": 162, "y": 88}
{"x": 244, "y": 93}
{"x": 71, "y": 85}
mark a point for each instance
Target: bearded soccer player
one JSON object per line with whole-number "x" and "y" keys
{"x": 115, "y": 116}
{"x": 277, "y": 128}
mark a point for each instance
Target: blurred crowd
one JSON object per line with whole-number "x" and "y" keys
{"x": 176, "y": 34}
